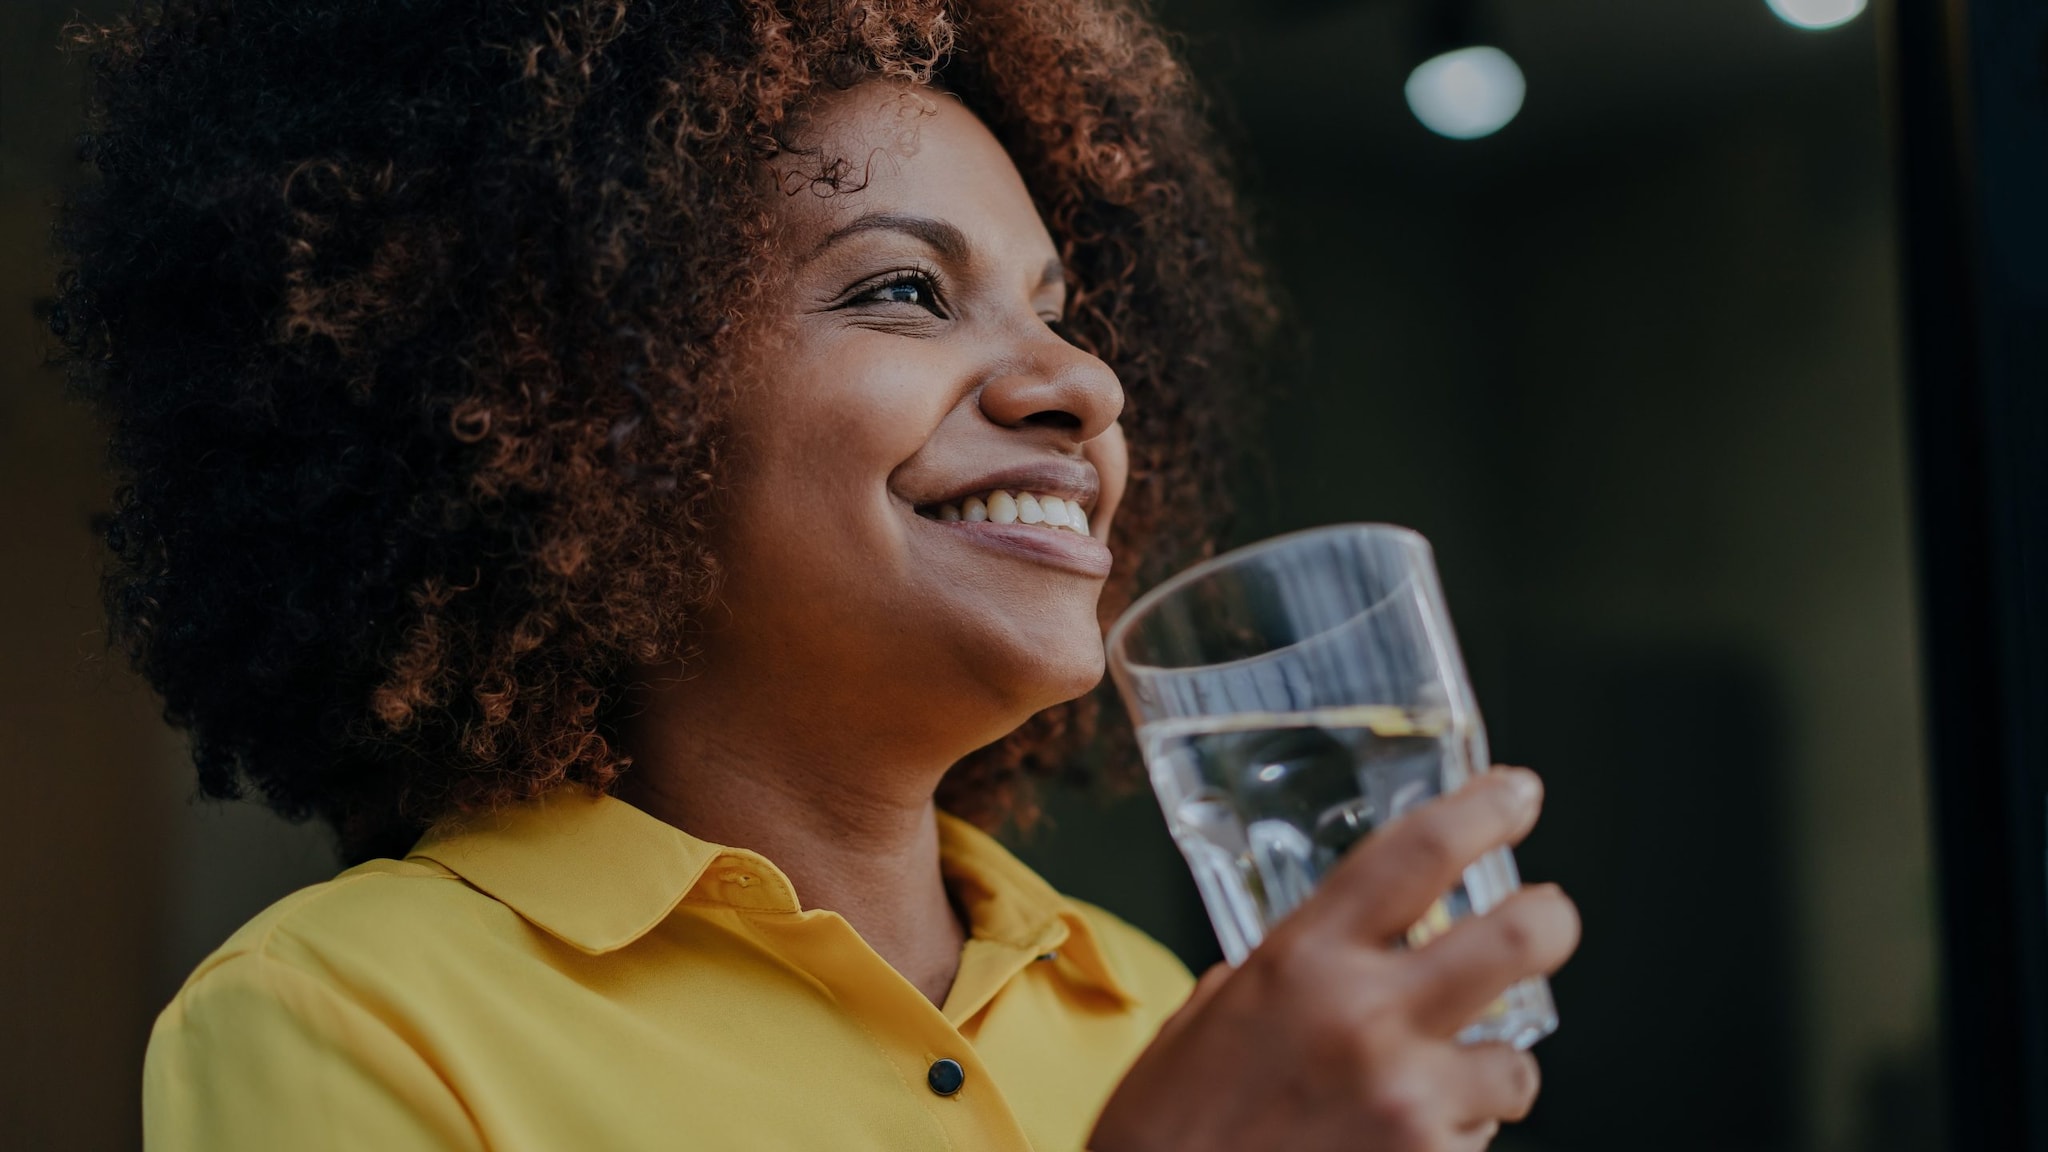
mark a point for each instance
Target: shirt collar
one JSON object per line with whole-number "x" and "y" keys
{"x": 1007, "y": 903}
{"x": 597, "y": 873}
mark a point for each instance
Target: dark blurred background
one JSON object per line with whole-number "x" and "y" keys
{"x": 1633, "y": 364}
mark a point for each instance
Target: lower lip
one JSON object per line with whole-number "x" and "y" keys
{"x": 1056, "y": 547}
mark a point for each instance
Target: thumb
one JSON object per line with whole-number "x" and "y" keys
{"x": 1204, "y": 990}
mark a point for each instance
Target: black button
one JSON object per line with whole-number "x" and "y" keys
{"x": 946, "y": 1077}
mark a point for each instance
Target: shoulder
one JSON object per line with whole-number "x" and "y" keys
{"x": 384, "y": 913}
{"x": 1148, "y": 969}
{"x": 294, "y": 1017}
{"x": 332, "y": 972}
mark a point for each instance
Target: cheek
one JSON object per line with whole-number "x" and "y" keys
{"x": 855, "y": 413}
{"x": 832, "y": 425}
{"x": 1111, "y": 455}
{"x": 820, "y": 552}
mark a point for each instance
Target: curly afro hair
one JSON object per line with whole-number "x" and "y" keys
{"x": 407, "y": 319}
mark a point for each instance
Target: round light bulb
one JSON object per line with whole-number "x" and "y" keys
{"x": 1817, "y": 13}
{"x": 1466, "y": 94}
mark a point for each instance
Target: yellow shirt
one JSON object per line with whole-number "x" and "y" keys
{"x": 577, "y": 975}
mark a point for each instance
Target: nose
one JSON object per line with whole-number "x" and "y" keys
{"x": 1053, "y": 384}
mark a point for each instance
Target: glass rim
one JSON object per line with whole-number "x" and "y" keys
{"x": 1144, "y": 604}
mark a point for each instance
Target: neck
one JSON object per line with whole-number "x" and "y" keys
{"x": 856, "y": 834}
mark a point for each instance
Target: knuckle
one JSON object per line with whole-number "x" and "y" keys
{"x": 1366, "y": 1015}
{"x": 1291, "y": 961}
{"x": 1435, "y": 840}
{"x": 1336, "y": 1015}
{"x": 1336, "y": 1046}
{"x": 1519, "y": 936}
{"x": 1399, "y": 1108}
{"x": 1349, "y": 1033}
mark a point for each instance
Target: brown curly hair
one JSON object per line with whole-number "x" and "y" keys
{"x": 408, "y": 317}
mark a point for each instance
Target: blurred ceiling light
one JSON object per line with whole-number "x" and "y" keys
{"x": 1474, "y": 91}
{"x": 1817, "y": 13}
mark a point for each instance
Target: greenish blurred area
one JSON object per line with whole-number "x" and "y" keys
{"x": 1633, "y": 365}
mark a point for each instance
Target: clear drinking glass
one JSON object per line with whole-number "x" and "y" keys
{"x": 1292, "y": 696}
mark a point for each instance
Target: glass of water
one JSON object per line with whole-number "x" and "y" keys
{"x": 1292, "y": 696}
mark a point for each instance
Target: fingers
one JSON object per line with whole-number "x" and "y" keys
{"x": 1475, "y": 1139}
{"x": 1496, "y": 1084}
{"x": 1462, "y": 972}
{"x": 1388, "y": 882}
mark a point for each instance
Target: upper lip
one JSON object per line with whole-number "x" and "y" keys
{"x": 1071, "y": 480}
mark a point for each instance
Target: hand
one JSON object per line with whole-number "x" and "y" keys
{"x": 1331, "y": 1037}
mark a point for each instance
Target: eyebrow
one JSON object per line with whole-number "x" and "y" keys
{"x": 941, "y": 237}
{"x": 938, "y": 235}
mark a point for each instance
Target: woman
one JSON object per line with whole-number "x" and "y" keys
{"x": 645, "y": 474}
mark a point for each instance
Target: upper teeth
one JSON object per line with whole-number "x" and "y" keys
{"x": 1000, "y": 507}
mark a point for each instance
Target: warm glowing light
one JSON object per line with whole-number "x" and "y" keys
{"x": 1817, "y": 13}
{"x": 1466, "y": 94}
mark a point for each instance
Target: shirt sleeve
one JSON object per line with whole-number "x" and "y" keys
{"x": 255, "y": 1054}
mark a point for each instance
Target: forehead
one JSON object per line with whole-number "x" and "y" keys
{"x": 886, "y": 147}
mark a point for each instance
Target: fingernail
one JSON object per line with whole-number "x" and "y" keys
{"x": 1525, "y": 787}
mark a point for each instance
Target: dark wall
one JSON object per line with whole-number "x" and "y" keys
{"x": 1633, "y": 365}
{"x": 84, "y": 833}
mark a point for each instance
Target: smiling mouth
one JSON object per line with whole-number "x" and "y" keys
{"x": 1002, "y": 506}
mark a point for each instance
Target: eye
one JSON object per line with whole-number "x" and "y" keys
{"x": 902, "y": 292}
{"x": 915, "y": 289}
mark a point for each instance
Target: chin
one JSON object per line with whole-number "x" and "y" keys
{"x": 1057, "y": 682}
{"x": 1019, "y": 672}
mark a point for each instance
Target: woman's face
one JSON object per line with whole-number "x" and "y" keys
{"x": 926, "y": 469}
